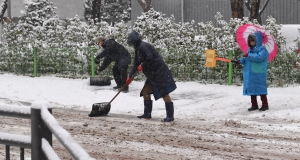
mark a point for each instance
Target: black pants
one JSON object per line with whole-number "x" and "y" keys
{"x": 120, "y": 75}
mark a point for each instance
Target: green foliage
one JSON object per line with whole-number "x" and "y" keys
{"x": 284, "y": 69}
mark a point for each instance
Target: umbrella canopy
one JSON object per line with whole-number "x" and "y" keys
{"x": 243, "y": 32}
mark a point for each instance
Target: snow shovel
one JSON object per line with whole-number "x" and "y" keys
{"x": 100, "y": 81}
{"x": 211, "y": 59}
{"x": 102, "y": 109}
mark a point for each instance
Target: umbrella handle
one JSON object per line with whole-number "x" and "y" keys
{"x": 121, "y": 89}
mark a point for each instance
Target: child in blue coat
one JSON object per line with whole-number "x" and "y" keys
{"x": 255, "y": 67}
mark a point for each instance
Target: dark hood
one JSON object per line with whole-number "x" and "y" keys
{"x": 134, "y": 39}
{"x": 108, "y": 43}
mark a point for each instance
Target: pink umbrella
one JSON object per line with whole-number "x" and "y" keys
{"x": 243, "y": 32}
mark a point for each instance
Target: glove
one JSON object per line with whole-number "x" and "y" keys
{"x": 237, "y": 62}
{"x": 246, "y": 55}
{"x": 128, "y": 81}
{"x": 97, "y": 61}
{"x": 140, "y": 68}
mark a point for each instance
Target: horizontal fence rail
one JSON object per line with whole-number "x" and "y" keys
{"x": 43, "y": 125}
{"x": 17, "y": 140}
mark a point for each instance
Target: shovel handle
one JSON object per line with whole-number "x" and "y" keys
{"x": 224, "y": 60}
{"x": 121, "y": 89}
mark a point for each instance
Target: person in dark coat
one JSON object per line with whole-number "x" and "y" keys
{"x": 255, "y": 67}
{"x": 159, "y": 80}
{"x": 114, "y": 52}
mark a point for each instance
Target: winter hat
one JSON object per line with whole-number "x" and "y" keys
{"x": 100, "y": 39}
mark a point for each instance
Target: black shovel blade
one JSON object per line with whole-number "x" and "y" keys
{"x": 100, "y": 109}
{"x": 97, "y": 81}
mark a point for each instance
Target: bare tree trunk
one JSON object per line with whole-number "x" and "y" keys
{"x": 145, "y": 4}
{"x": 253, "y": 7}
{"x": 3, "y": 9}
{"x": 96, "y": 10}
{"x": 254, "y": 12}
{"x": 237, "y": 8}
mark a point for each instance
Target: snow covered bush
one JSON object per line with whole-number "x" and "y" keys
{"x": 65, "y": 47}
{"x": 155, "y": 28}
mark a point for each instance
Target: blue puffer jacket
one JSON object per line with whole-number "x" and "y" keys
{"x": 255, "y": 68}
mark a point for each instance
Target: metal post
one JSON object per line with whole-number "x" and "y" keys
{"x": 34, "y": 62}
{"x": 7, "y": 152}
{"x": 93, "y": 63}
{"x": 9, "y": 9}
{"x": 21, "y": 153}
{"x": 230, "y": 68}
{"x": 38, "y": 131}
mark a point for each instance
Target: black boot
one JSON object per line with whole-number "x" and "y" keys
{"x": 265, "y": 105}
{"x": 147, "y": 109}
{"x": 263, "y": 108}
{"x": 252, "y": 108}
{"x": 116, "y": 87}
{"x": 170, "y": 112}
{"x": 254, "y": 103}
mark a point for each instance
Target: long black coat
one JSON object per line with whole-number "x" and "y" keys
{"x": 113, "y": 51}
{"x": 155, "y": 69}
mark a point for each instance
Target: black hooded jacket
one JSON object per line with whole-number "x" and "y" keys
{"x": 113, "y": 51}
{"x": 155, "y": 69}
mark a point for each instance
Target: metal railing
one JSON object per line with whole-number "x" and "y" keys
{"x": 43, "y": 126}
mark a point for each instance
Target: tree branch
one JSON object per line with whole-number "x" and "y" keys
{"x": 149, "y": 5}
{"x": 142, "y": 4}
{"x": 264, "y": 7}
{"x": 247, "y": 4}
{"x": 3, "y": 9}
{"x": 146, "y": 6}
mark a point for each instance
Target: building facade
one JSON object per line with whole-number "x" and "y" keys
{"x": 284, "y": 11}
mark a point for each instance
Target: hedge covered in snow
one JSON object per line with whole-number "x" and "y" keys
{"x": 65, "y": 47}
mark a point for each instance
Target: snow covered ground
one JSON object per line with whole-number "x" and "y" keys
{"x": 191, "y": 99}
{"x": 196, "y": 105}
